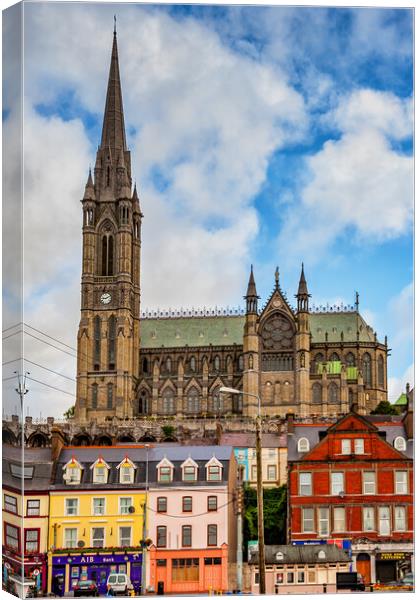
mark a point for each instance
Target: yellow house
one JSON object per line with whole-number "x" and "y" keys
{"x": 25, "y": 503}
{"x": 97, "y": 502}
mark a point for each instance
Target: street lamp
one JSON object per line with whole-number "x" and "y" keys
{"x": 260, "y": 505}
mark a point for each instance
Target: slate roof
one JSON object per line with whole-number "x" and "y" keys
{"x": 178, "y": 332}
{"x": 390, "y": 424}
{"x": 38, "y": 458}
{"x": 113, "y": 455}
{"x": 247, "y": 440}
{"x": 302, "y": 554}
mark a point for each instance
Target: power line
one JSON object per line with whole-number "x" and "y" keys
{"x": 10, "y": 361}
{"x": 50, "y": 370}
{"x": 12, "y": 327}
{"x": 12, "y": 334}
{"x": 49, "y": 344}
{"x": 52, "y": 387}
{"x": 49, "y": 336}
{"x": 8, "y": 378}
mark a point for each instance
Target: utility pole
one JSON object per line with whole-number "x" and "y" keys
{"x": 260, "y": 498}
{"x": 239, "y": 549}
{"x": 21, "y": 388}
{"x": 260, "y": 505}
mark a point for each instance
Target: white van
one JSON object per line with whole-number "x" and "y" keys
{"x": 119, "y": 583}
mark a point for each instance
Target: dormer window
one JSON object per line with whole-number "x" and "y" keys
{"x": 189, "y": 470}
{"x": 214, "y": 470}
{"x": 100, "y": 471}
{"x": 303, "y": 445}
{"x": 400, "y": 444}
{"x": 165, "y": 471}
{"x": 72, "y": 472}
{"x": 127, "y": 470}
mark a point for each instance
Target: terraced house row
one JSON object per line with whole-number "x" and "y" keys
{"x": 94, "y": 511}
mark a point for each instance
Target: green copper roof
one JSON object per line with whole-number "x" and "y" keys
{"x": 177, "y": 332}
{"x": 402, "y": 400}
{"x": 192, "y": 331}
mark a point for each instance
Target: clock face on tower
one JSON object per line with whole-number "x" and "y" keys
{"x": 105, "y": 298}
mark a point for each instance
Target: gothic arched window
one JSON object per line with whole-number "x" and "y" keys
{"x": 193, "y": 401}
{"x": 216, "y": 403}
{"x": 168, "y": 402}
{"x": 241, "y": 362}
{"x": 350, "y": 359}
{"x": 97, "y": 343}
{"x": 145, "y": 366}
{"x": 367, "y": 368}
{"x": 216, "y": 363}
{"x": 110, "y": 396}
{"x": 381, "y": 370}
{"x": 95, "y": 395}
{"x": 111, "y": 342}
{"x": 144, "y": 402}
{"x": 168, "y": 364}
{"x": 316, "y": 393}
{"x": 334, "y": 357}
{"x": 107, "y": 252}
{"x": 192, "y": 364}
{"x": 333, "y": 396}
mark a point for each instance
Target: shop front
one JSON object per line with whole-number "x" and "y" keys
{"x": 68, "y": 568}
{"x": 33, "y": 570}
{"x": 188, "y": 571}
{"x": 391, "y": 565}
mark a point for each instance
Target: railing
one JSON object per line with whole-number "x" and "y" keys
{"x": 171, "y": 313}
{"x": 333, "y": 308}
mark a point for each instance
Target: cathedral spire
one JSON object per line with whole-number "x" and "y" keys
{"x": 302, "y": 295}
{"x": 251, "y": 294}
{"x": 113, "y": 129}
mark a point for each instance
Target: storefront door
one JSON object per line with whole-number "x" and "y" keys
{"x": 58, "y": 579}
{"x": 386, "y": 570}
{"x": 212, "y": 574}
{"x": 135, "y": 576}
{"x": 363, "y": 566}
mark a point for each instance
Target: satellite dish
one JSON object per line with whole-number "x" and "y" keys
{"x": 80, "y": 544}
{"x": 131, "y": 509}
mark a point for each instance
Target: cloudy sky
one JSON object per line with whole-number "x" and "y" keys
{"x": 264, "y": 135}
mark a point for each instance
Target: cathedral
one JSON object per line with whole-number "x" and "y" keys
{"x": 294, "y": 359}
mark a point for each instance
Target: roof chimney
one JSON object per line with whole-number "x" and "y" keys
{"x": 57, "y": 443}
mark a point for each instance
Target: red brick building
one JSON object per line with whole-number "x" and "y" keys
{"x": 353, "y": 481}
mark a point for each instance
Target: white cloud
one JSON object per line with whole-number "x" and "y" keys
{"x": 397, "y": 385}
{"x": 359, "y": 182}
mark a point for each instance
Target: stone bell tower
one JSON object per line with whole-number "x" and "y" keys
{"x": 108, "y": 336}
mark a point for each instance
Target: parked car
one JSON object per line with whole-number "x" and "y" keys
{"x": 119, "y": 583}
{"x": 85, "y": 587}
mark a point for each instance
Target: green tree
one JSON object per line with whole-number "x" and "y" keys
{"x": 69, "y": 412}
{"x": 168, "y": 431}
{"x": 385, "y": 408}
{"x": 275, "y": 515}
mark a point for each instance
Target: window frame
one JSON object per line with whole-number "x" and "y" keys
{"x": 126, "y": 470}
{"x": 161, "y": 531}
{"x": 66, "y": 507}
{"x": 103, "y": 538}
{"x": 211, "y": 476}
{"x": 98, "y": 514}
{"x": 208, "y": 504}
{"x": 158, "y": 509}
{"x": 120, "y": 538}
{"x": 335, "y": 520}
{"x": 269, "y": 478}
{"x": 303, "y": 445}
{"x": 365, "y": 518}
{"x": 345, "y": 442}
{"x": 184, "y": 500}
{"x": 170, "y": 473}
{"x": 326, "y": 511}
{"x": 192, "y": 471}
{"x": 37, "y": 541}
{"x": 334, "y": 485}
{"x": 366, "y": 483}
{"x": 95, "y": 474}
{"x": 14, "y": 510}
{"x": 404, "y": 491}
{"x": 130, "y": 498}
{"x": 361, "y": 443}
{"x": 404, "y": 509}
{"x": 212, "y": 534}
{"x": 381, "y": 520}
{"x": 28, "y": 508}
{"x": 301, "y": 484}
{"x": 397, "y": 441}
{"x": 311, "y": 520}
{"x": 66, "y": 529}
{"x": 184, "y": 530}
{"x": 13, "y": 547}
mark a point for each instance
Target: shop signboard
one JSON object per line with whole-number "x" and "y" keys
{"x": 393, "y": 555}
{"x": 252, "y": 548}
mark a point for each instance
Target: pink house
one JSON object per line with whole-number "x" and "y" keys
{"x": 191, "y": 518}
